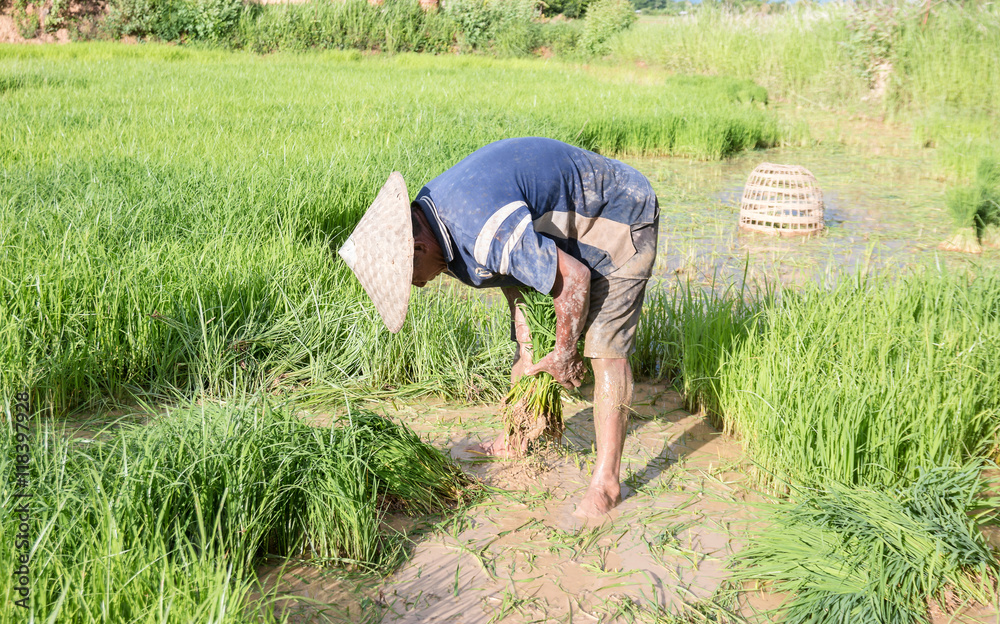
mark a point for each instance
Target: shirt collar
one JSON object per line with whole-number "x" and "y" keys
{"x": 437, "y": 226}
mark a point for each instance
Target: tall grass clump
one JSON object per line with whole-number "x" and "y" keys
{"x": 480, "y": 26}
{"x": 604, "y": 19}
{"x": 975, "y": 210}
{"x": 947, "y": 57}
{"x": 211, "y": 21}
{"x": 946, "y": 70}
{"x": 658, "y": 336}
{"x": 165, "y": 521}
{"x": 931, "y": 65}
{"x": 533, "y": 406}
{"x": 870, "y": 382}
{"x": 712, "y": 324}
{"x": 875, "y": 556}
{"x": 391, "y": 27}
{"x": 506, "y": 27}
{"x": 792, "y": 53}
{"x": 191, "y": 246}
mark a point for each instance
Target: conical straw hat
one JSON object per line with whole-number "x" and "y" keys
{"x": 380, "y": 252}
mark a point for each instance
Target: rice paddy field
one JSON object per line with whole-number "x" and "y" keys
{"x": 206, "y": 421}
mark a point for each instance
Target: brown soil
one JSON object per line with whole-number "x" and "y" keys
{"x": 521, "y": 556}
{"x": 81, "y": 16}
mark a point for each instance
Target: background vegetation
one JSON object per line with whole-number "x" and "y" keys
{"x": 931, "y": 66}
{"x": 168, "y": 216}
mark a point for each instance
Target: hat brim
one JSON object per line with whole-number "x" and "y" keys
{"x": 380, "y": 252}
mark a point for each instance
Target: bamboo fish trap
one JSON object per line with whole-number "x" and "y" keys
{"x": 783, "y": 200}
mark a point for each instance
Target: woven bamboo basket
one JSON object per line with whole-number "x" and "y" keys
{"x": 783, "y": 200}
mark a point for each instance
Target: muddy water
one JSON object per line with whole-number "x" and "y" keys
{"x": 521, "y": 556}
{"x": 884, "y": 209}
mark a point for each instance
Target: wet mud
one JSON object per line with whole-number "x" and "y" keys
{"x": 521, "y": 555}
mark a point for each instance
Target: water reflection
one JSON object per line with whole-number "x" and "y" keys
{"x": 881, "y": 213}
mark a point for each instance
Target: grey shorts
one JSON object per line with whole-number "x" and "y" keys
{"x": 616, "y": 300}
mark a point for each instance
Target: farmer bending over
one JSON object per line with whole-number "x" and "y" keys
{"x": 529, "y": 213}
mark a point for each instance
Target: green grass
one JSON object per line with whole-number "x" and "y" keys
{"x": 867, "y": 382}
{"x": 823, "y": 56}
{"x": 165, "y": 521}
{"x": 871, "y": 404}
{"x": 168, "y": 215}
{"x": 818, "y": 52}
{"x": 793, "y": 52}
{"x": 876, "y": 556}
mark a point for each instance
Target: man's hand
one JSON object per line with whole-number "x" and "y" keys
{"x": 571, "y": 297}
{"x": 522, "y": 360}
{"x": 565, "y": 366}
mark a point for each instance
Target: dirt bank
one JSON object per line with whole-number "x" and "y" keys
{"x": 36, "y": 23}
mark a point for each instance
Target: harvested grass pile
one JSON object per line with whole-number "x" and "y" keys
{"x": 863, "y": 555}
{"x": 533, "y": 407}
{"x": 976, "y": 211}
{"x": 174, "y": 515}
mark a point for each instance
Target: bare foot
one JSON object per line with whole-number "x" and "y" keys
{"x": 598, "y": 501}
{"x": 496, "y": 448}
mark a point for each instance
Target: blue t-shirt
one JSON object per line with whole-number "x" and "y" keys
{"x": 500, "y": 213}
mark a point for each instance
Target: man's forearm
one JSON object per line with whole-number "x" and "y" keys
{"x": 521, "y": 332}
{"x": 571, "y": 295}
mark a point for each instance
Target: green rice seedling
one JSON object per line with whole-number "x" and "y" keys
{"x": 192, "y": 246}
{"x": 976, "y": 210}
{"x": 876, "y": 556}
{"x": 963, "y": 203}
{"x": 658, "y": 335}
{"x": 413, "y": 476}
{"x": 533, "y": 406}
{"x": 164, "y": 522}
{"x": 713, "y": 324}
{"x": 867, "y": 382}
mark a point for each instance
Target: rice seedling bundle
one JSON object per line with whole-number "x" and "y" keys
{"x": 864, "y": 555}
{"x": 164, "y": 522}
{"x": 533, "y": 407}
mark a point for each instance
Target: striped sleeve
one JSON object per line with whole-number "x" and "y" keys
{"x": 508, "y": 244}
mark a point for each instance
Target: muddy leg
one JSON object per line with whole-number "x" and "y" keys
{"x": 612, "y": 399}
